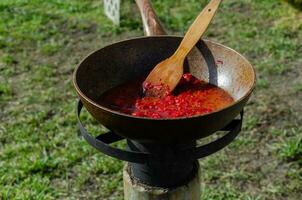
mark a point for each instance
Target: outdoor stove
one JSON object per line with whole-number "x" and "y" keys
{"x": 162, "y": 154}
{"x": 160, "y": 165}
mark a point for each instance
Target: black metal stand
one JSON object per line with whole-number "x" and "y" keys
{"x": 158, "y": 164}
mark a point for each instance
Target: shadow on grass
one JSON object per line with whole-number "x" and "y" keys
{"x": 295, "y": 3}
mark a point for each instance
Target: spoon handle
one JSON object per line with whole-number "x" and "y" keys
{"x": 197, "y": 29}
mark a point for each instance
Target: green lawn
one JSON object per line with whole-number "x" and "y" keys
{"x": 41, "y": 156}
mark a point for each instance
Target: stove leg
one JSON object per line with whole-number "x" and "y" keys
{"x": 134, "y": 190}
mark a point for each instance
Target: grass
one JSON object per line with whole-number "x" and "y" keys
{"x": 41, "y": 156}
{"x": 291, "y": 149}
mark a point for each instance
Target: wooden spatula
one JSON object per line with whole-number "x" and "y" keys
{"x": 166, "y": 75}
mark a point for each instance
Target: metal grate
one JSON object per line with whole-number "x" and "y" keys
{"x": 112, "y": 10}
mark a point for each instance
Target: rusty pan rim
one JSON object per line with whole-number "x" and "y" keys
{"x": 82, "y": 95}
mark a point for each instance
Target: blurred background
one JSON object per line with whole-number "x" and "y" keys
{"x": 41, "y": 42}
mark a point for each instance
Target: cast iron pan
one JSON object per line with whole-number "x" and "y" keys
{"x": 130, "y": 59}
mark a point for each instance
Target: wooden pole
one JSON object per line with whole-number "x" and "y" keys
{"x": 134, "y": 190}
{"x": 151, "y": 23}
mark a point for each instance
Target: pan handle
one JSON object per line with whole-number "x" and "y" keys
{"x": 233, "y": 130}
{"x": 152, "y": 25}
{"x": 102, "y": 142}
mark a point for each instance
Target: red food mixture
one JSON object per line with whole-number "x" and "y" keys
{"x": 191, "y": 97}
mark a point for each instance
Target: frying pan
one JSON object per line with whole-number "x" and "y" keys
{"x": 130, "y": 59}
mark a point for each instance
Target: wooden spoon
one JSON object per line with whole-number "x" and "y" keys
{"x": 165, "y": 76}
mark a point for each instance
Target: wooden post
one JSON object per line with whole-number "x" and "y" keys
{"x": 134, "y": 190}
{"x": 151, "y": 23}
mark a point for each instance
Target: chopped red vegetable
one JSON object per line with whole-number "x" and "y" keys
{"x": 191, "y": 97}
